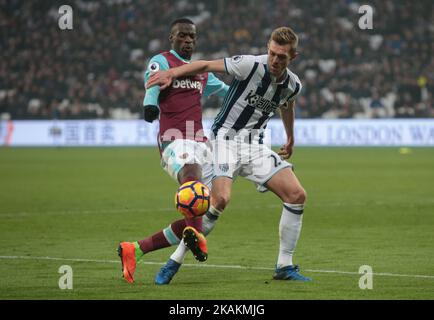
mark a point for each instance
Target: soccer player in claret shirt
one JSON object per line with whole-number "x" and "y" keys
{"x": 262, "y": 85}
{"x": 185, "y": 153}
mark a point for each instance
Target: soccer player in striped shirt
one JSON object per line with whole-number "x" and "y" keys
{"x": 183, "y": 149}
{"x": 261, "y": 86}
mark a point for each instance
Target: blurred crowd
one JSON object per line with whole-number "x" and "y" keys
{"x": 96, "y": 69}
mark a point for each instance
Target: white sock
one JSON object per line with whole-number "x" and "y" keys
{"x": 289, "y": 232}
{"x": 179, "y": 253}
{"x": 208, "y": 222}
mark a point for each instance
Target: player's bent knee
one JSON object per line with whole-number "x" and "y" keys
{"x": 297, "y": 196}
{"x": 220, "y": 200}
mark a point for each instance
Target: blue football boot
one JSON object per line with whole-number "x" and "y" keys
{"x": 289, "y": 273}
{"x": 167, "y": 272}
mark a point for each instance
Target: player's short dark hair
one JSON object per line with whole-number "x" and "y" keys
{"x": 181, "y": 20}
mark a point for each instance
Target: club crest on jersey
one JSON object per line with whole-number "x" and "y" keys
{"x": 259, "y": 102}
{"x": 154, "y": 67}
{"x": 237, "y": 59}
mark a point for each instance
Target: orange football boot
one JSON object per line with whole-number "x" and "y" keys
{"x": 196, "y": 242}
{"x": 127, "y": 253}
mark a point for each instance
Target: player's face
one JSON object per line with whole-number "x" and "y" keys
{"x": 278, "y": 58}
{"x": 183, "y": 39}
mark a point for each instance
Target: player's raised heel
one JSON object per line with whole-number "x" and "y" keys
{"x": 290, "y": 273}
{"x": 196, "y": 242}
{"x": 126, "y": 251}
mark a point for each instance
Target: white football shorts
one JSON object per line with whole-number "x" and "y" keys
{"x": 253, "y": 161}
{"x": 181, "y": 152}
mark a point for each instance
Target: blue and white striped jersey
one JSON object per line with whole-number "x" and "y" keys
{"x": 253, "y": 96}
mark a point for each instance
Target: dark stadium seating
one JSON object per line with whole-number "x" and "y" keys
{"x": 96, "y": 69}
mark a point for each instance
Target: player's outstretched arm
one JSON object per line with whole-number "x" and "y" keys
{"x": 287, "y": 115}
{"x": 165, "y": 78}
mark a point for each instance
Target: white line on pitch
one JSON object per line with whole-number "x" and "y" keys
{"x": 206, "y": 265}
{"x": 140, "y": 210}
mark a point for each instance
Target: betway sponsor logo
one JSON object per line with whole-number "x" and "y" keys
{"x": 255, "y": 100}
{"x": 187, "y": 84}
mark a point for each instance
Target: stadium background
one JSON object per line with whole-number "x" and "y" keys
{"x": 96, "y": 69}
{"x": 71, "y": 206}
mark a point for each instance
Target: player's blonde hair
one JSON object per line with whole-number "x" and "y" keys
{"x": 285, "y": 35}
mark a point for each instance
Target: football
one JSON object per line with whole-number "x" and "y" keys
{"x": 192, "y": 199}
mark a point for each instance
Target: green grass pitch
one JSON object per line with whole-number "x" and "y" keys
{"x": 366, "y": 206}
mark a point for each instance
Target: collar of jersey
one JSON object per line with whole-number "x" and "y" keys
{"x": 271, "y": 76}
{"x": 178, "y": 56}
